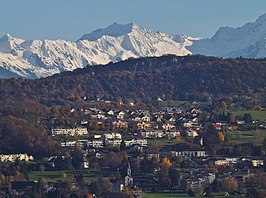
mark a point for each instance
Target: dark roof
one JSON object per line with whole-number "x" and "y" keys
{"x": 22, "y": 185}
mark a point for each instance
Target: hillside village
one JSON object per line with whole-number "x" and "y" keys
{"x": 129, "y": 151}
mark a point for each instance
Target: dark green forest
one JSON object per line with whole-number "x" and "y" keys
{"x": 144, "y": 80}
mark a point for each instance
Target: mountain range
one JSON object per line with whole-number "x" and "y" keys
{"x": 41, "y": 58}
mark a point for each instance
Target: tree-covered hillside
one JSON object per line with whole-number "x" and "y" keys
{"x": 144, "y": 80}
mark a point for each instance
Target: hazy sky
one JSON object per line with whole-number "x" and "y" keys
{"x": 70, "y": 19}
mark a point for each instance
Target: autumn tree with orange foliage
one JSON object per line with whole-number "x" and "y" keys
{"x": 165, "y": 166}
{"x": 229, "y": 184}
{"x": 127, "y": 193}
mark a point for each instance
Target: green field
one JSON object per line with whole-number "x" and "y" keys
{"x": 240, "y": 137}
{"x": 163, "y": 142}
{"x": 53, "y": 176}
{"x": 256, "y": 115}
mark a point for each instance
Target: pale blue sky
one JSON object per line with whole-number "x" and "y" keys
{"x": 70, "y": 19}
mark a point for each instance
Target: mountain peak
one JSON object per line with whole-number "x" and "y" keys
{"x": 10, "y": 38}
{"x": 228, "y": 32}
{"x": 223, "y": 32}
{"x": 6, "y": 37}
{"x": 246, "y": 41}
{"x": 114, "y": 30}
{"x": 8, "y": 43}
{"x": 262, "y": 18}
{"x": 126, "y": 26}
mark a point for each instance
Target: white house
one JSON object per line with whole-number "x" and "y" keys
{"x": 113, "y": 136}
{"x": 111, "y": 112}
{"x": 226, "y": 161}
{"x": 95, "y": 143}
{"x": 195, "y": 153}
{"x": 120, "y": 115}
{"x": 168, "y": 126}
{"x": 192, "y": 133}
{"x": 69, "y": 131}
{"x": 68, "y": 143}
{"x": 146, "y": 118}
{"x": 172, "y": 134}
{"x": 257, "y": 163}
{"x": 202, "y": 179}
{"x": 152, "y": 134}
{"x": 14, "y": 157}
{"x": 113, "y": 142}
{"x": 141, "y": 142}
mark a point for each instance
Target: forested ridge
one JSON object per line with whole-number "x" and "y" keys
{"x": 145, "y": 79}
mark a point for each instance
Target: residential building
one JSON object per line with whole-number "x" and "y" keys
{"x": 79, "y": 131}
{"x": 15, "y": 157}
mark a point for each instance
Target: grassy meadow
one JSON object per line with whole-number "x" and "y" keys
{"x": 53, "y": 176}
{"x": 253, "y": 136}
{"x": 256, "y": 115}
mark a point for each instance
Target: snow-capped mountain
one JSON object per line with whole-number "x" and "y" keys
{"x": 247, "y": 41}
{"x": 117, "y": 42}
{"x": 41, "y": 58}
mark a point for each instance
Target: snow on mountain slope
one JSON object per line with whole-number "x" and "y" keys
{"x": 8, "y": 43}
{"x": 41, "y": 58}
{"x": 246, "y": 41}
{"x": 37, "y": 58}
{"x": 114, "y": 30}
{"x": 124, "y": 41}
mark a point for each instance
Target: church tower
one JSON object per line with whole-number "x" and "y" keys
{"x": 128, "y": 177}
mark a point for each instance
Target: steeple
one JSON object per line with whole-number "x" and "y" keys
{"x": 129, "y": 170}
{"x": 128, "y": 177}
